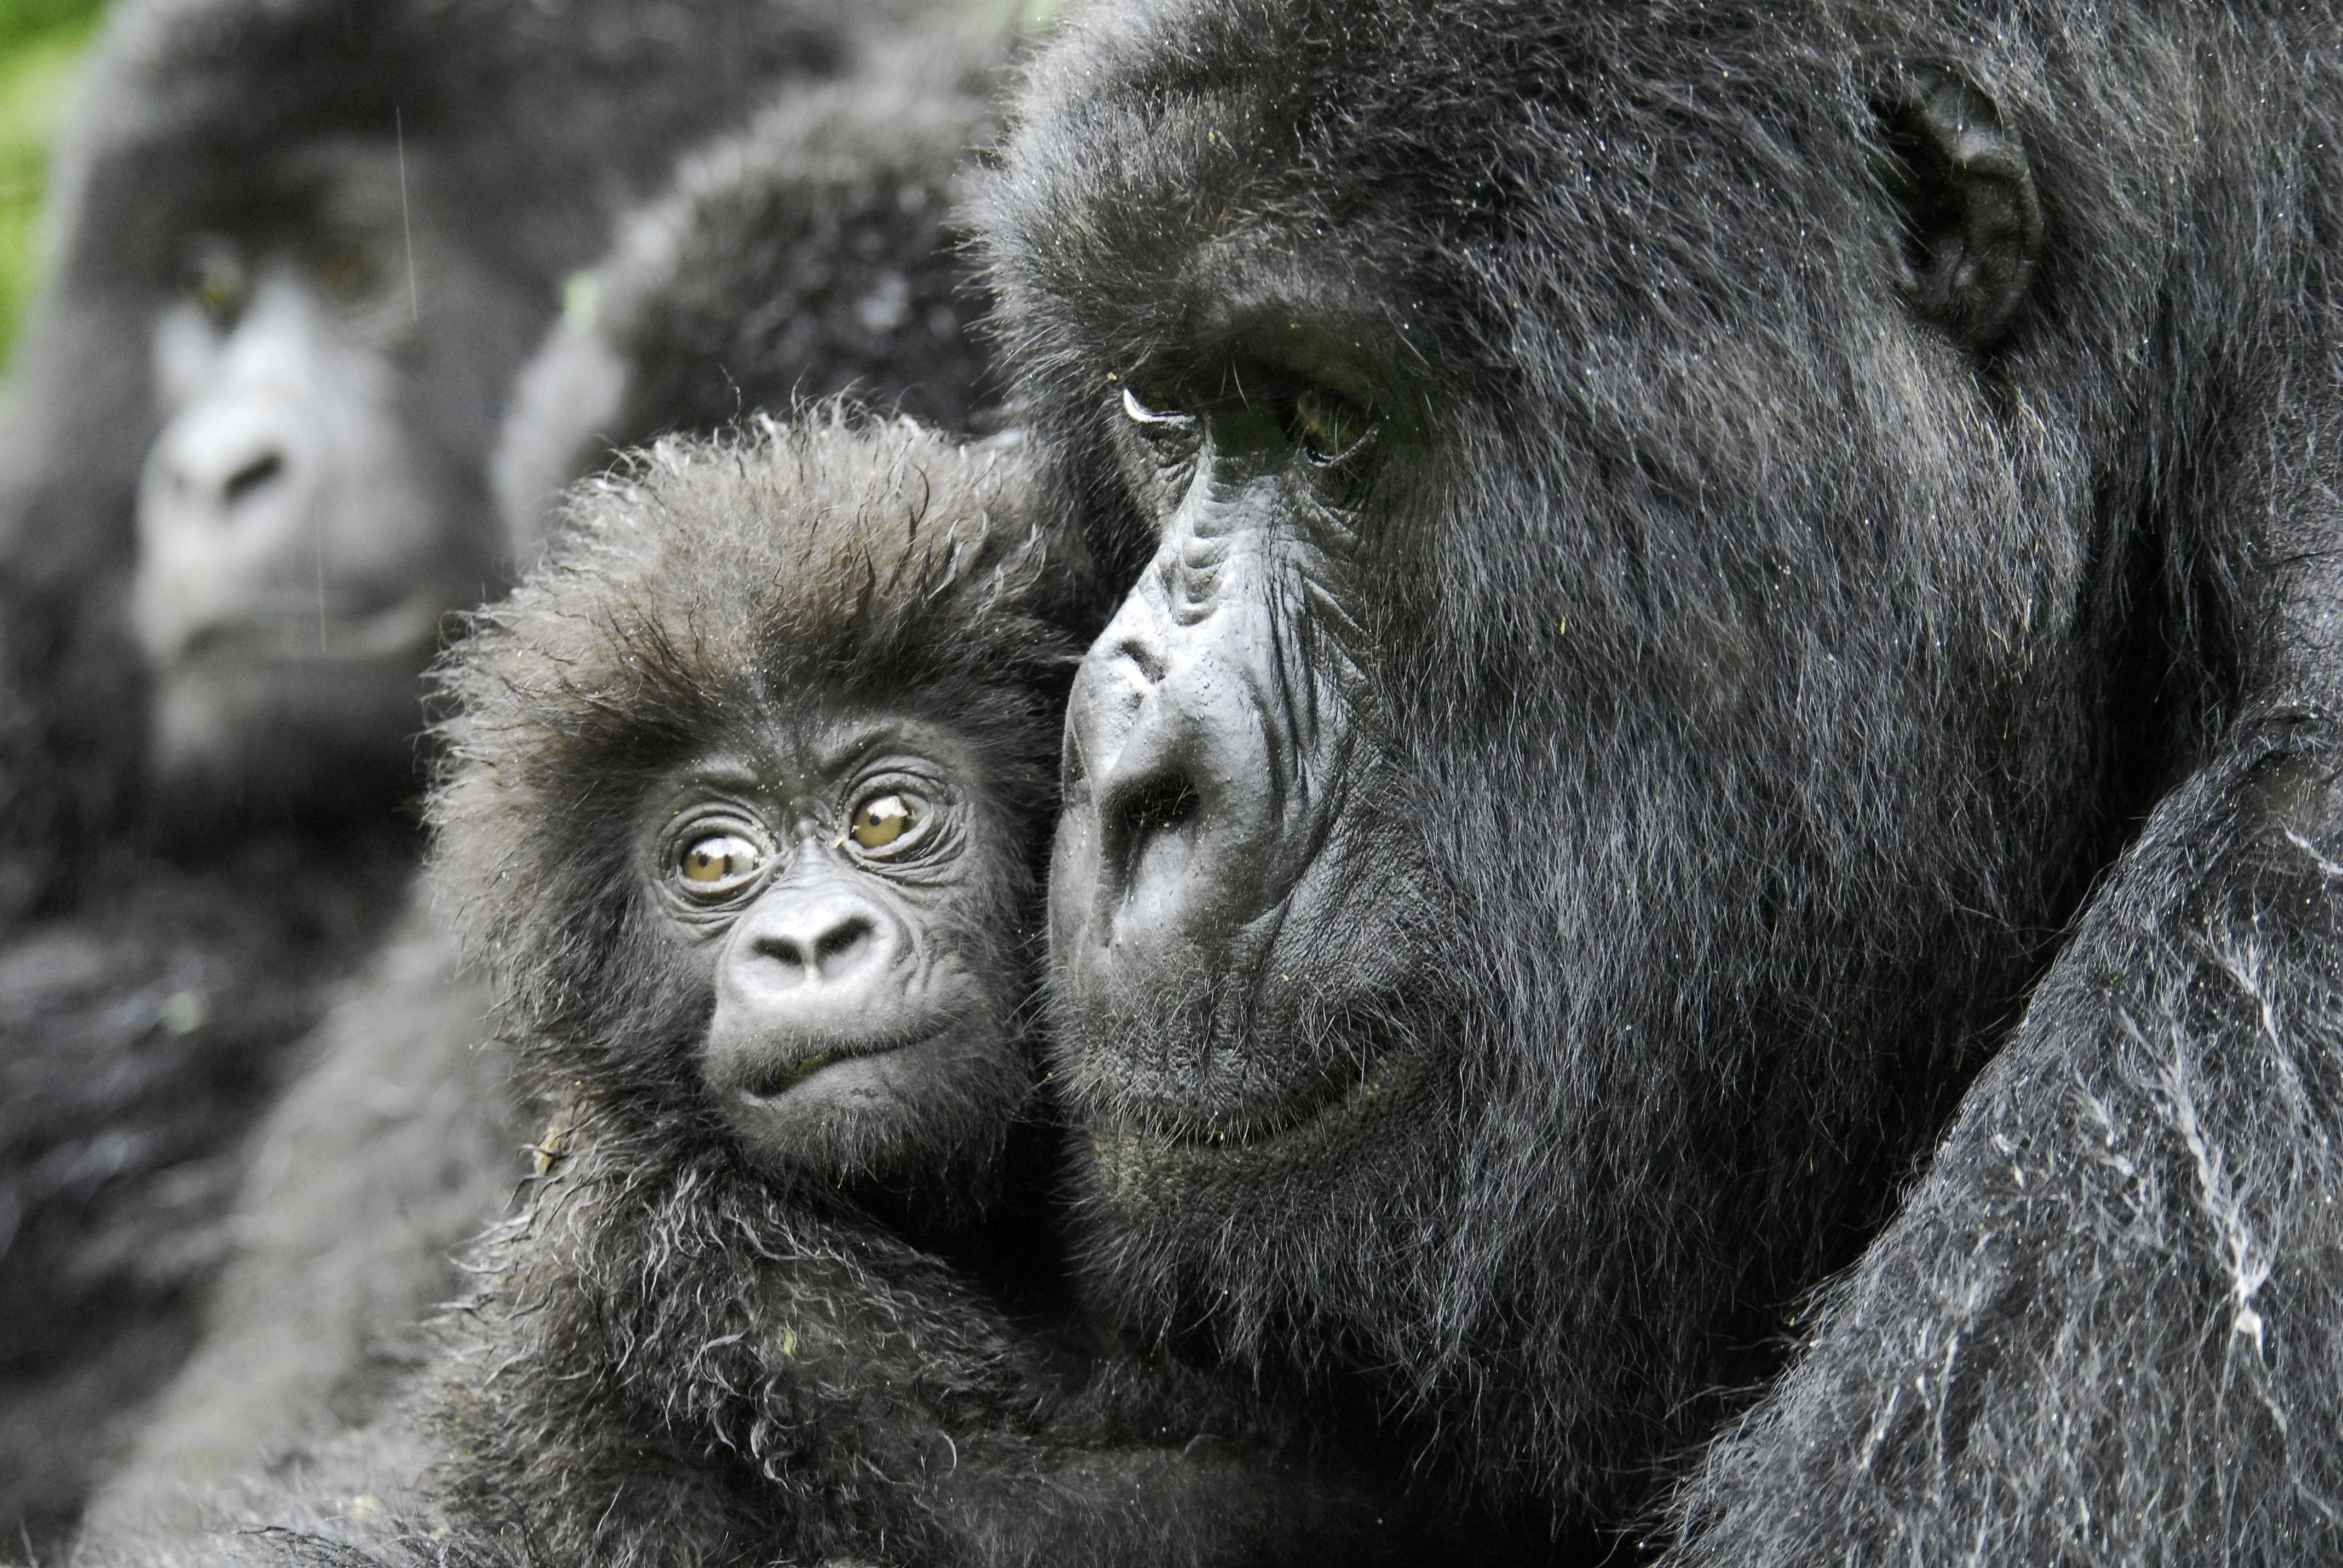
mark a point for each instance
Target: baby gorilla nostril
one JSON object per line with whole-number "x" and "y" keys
{"x": 252, "y": 477}
{"x": 842, "y": 947}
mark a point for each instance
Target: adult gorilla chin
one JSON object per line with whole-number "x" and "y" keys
{"x": 1733, "y": 608}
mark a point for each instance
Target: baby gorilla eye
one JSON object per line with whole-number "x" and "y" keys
{"x": 881, "y": 820}
{"x": 716, "y": 864}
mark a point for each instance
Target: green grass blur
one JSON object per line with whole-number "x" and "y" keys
{"x": 40, "y": 41}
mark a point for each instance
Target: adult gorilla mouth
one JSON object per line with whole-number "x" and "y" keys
{"x": 318, "y": 631}
{"x": 1294, "y": 1106}
{"x": 1287, "y": 1031}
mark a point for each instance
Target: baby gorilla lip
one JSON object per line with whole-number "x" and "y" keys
{"x": 785, "y": 1076}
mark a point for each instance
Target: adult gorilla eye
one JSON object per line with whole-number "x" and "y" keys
{"x": 1327, "y": 427}
{"x": 715, "y": 864}
{"x": 1154, "y": 414}
{"x": 882, "y": 820}
{"x": 215, "y": 282}
{"x": 344, "y": 270}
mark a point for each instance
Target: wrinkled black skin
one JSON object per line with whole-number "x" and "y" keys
{"x": 813, "y": 253}
{"x": 1803, "y": 746}
{"x": 525, "y": 132}
{"x": 782, "y": 1332}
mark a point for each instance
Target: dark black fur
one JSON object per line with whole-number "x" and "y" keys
{"x": 681, "y": 1358}
{"x": 1782, "y": 689}
{"x": 811, "y": 254}
{"x": 524, "y": 131}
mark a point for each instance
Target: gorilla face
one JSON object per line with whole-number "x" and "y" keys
{"x": 312, "y": 507}
{"x": 1605, "y": 696}
{"x": 834, "y": 891}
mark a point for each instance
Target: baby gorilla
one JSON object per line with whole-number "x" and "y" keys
{"x": 748, "y": 790}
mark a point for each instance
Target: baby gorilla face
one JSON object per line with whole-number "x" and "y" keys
{"x": 850, "y": 898}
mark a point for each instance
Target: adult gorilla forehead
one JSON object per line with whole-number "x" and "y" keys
{"x": 1171, "y": 150}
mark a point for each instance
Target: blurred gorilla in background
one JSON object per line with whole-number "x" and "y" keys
{"x": 1731, "y": 682}
{"x": 302, "y": 249}
{"x": 813, "y": 253}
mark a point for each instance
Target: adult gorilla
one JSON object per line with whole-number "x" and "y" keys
{"x": 1716, "y": 569}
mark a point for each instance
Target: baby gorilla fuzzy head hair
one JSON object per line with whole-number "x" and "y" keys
{"x": 746, "y": 793}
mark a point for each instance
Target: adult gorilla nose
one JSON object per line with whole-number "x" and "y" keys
{"x": 229, "y": 467}
{"x": 1171, "y": 803}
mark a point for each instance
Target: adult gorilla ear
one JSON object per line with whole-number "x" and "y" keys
{"x": 1973, "y": 223}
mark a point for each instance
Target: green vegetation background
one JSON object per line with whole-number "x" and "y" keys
{"x": 40, "y": 40}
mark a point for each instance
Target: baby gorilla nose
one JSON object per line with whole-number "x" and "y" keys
{"x": 816, "y": 962}
{"x": 808, "y": 977}
{"x": 829, "y": 943}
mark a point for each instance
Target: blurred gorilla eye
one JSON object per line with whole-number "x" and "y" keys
{"x": 346, "y": 270}
{"x": 715, "y": 864}
{"x": 881, "y": 820}
{"x": 215, "y": 283}
{"x": 1329, "y": 426}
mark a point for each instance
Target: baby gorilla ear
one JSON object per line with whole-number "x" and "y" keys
{"x": 1972, "y": 222}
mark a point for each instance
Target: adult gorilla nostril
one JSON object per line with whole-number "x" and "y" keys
{"x": 1144, "y": 657}
{"x": 1142, "y": 816}
{"x": 1162, "y": 805}
{"x": 253, "y": 475}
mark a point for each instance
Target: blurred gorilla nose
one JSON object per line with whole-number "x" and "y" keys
{"x": 229, "y": 466}
{"x": 228, "y": 506}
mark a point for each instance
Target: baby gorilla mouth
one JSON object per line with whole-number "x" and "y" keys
{"x": 782, "y": 1076}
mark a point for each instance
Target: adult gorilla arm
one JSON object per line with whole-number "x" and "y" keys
{"x": 2109, "y": 1319}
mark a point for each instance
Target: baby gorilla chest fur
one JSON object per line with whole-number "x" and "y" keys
{"x": 745, "y": 802}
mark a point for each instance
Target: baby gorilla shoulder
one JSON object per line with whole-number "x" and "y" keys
{"x": 747, "y": 793}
